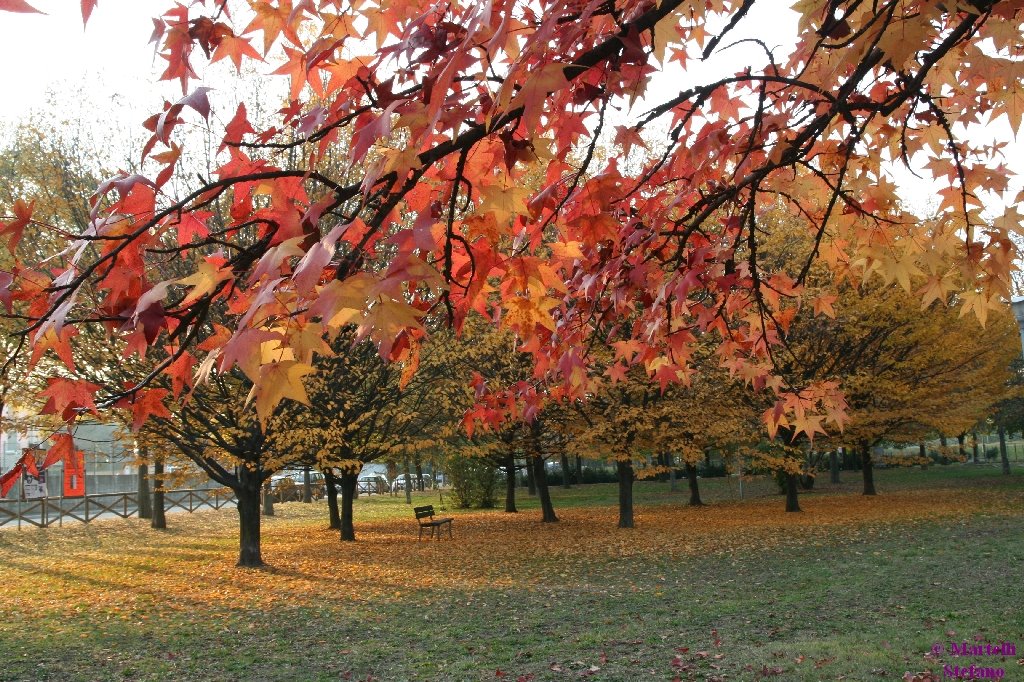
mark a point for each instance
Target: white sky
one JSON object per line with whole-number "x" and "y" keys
{"x": 107, "y": 67}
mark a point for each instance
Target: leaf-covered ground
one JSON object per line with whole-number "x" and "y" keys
{"x": 853, "y": 588}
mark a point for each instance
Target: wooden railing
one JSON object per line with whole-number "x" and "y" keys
{"x": 49, "y": 511}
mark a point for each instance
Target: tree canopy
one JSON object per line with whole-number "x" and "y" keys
{"x": 444, "y": 111}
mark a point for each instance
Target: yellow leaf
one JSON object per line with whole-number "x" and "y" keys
{"x": 277, "y": 381}
{"x": 502, "y": 202}
{"x": 203, "y": 281}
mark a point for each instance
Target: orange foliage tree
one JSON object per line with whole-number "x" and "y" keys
{"x": 445, "y": 109}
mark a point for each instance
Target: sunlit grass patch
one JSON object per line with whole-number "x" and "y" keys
{"x": 116, "y": 600}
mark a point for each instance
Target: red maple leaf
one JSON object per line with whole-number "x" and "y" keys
{"x": 180, "y": 372}
{"x": 22, "y": 217}
{"x": 68, "y": 397}
{"x": 87, "y": 7}
{"x": 144, "y": 404}
{"x": 62, "y": 448}
{"x": 17, "y": 6}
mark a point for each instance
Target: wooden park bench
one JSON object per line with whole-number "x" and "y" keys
{"x": 425, "y": 517}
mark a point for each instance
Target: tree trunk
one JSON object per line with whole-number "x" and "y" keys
{"x": 531, "y": 480}
{"x": 960, "y": 445}
{"x": 691, "y": 478}
{"x": 1003, "y": 455}
{"x": 419, "y": 476}
{"x": 868, "y": 469}
{"x": 248, "y": 493}
{"x": 349, "y": 481}
{"x": 268, "y": 500}
{"x": 579, "y": 470}
{"x": 145, "y": 501}
{"x": 974, "y": 445}
{"x": 408, "y": 482}
{"x": 159, "y": 520}
{"x": 807, "y": 479}
{"x": 565, "y": 471}
{"x": 307, "y": 486}
{"x": 792, "y": 494}
{"x": 625, "y": 468}
{"x": 833, "y": 466}
{"x": 331, "y": 483}
{"x": 510, "y": 483}
{"x": 922, "y": 450}
{"x": 541, "y": 478}
{"x": 392, "y": 475}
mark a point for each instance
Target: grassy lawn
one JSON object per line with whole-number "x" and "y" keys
{"x": 853, "y": 588}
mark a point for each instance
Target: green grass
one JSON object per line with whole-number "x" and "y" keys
{"x": 812, "y": 600}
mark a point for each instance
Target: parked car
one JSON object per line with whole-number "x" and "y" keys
{"x": 372, "y": 484}
{"x": 286, "y": 486}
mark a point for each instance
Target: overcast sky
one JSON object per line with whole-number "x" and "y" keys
{"x": 52, "y": 53}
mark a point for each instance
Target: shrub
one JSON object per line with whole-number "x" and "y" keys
{"x": 473, "y": 482}
{"x": 714, "y": 469}
{"x": 591, "y": 474}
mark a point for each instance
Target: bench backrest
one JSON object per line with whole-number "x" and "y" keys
{"x": 424, "y": 512}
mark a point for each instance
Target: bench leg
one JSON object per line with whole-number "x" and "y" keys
{"x": 421, "y": 534}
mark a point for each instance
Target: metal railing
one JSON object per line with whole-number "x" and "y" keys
{"x": 45, "y": 512}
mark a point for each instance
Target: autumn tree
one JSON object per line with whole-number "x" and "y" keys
{"x": 1009, "y": 415}
{"x": 443, "y": 111}
{"x": 906, "y": 372}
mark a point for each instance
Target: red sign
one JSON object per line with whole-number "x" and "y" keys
{"x": 74, "y": 474}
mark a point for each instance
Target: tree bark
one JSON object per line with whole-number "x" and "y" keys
{"x": 531, "y": 480}
{"x": 691, "y": 478}
{"x": 960, "y": 445}
{"x": 159, "y": 520}
{"x": 307, "y": 486}
{"x": 510, "y": 483}
{"x": 248, "y": 494}
{"x": 833, "y": 466}
{"x": 922, "y": 450}
{"x": 792, "y": 494}
{"x": 1003, "y": 455}
{"x": 145, "y": 501}
{"x": 867, "y": 466}
{"x": 565, "y": 471}
{"x": 974, "y": 445}
{"x": 625, "y": 468}
{"x": 408, "y": 482}
{"x": 268, "y": 500}
{"x": 419, "y": 476}
{"x": 349, "y": 481}
{"x": 331, "y": 482}
{"x": 392, "y": 475}
{"x": 541, "y": 478}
